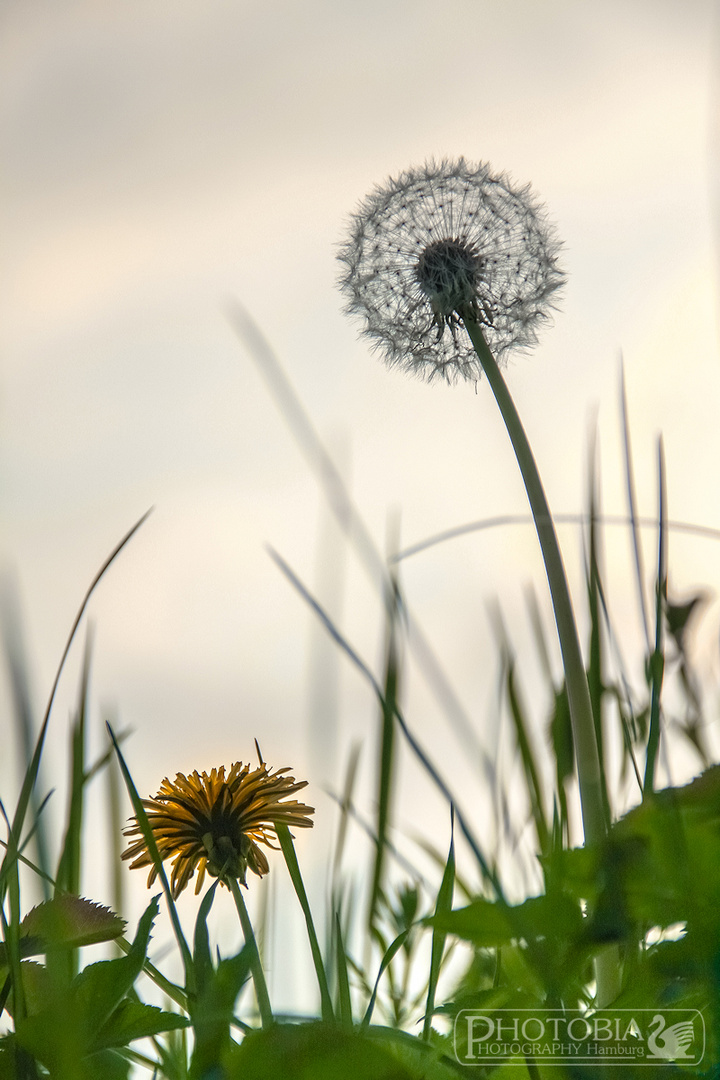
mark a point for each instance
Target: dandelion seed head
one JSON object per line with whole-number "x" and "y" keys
{"x": 447, "y": 241}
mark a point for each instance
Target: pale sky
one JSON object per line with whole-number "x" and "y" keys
{"x": 160, "y": 160}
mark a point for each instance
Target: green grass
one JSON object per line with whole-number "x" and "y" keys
{"x": 394, "y": 961}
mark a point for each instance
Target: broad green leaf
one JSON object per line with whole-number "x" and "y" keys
{"x": 659, "y": 865}
{"x": 211, "y": 1012}
{"x": 100, "y": 987}
{"x": 423, "y": 1061}
{"x": 67, "y": 1026}
{"x": 316, "y": 1051}
{"x": 483, "y": 922}
{"x": 70, "y": 922}
{"x": 135, "y": 1020}
{"x": 489, "y": 925}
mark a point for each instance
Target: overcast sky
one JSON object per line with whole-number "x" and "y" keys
{"x": 161, "y": 159}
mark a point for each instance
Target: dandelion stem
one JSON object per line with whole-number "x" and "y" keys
{"x": 595, "y": 823}
{"x": 261, "y": 990}
{"x": 583, "y": 725}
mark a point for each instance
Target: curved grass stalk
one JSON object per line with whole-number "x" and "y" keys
{"x": 583, "y": 726}
{"x": 594, "y": 816}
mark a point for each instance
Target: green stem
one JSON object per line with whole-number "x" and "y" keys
{"x": 595, "y": 823}
{"x": 261, "y": 991}
{"x": 583, "y": 725}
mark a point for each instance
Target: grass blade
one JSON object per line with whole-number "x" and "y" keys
{"x": 345, "y": 806}
{"x": 595, "y": 652}
{"x": 657, "y": 658}
{"x": 443, "y": 903}
{"x": 32, "y": 770}
{"x": 345, "y": 511}
{"x": 288, "y": 850}
{"x": 632, "y": 508}
{"x": 148, "y": 836}
{"x": 385, "y": 768}
{"x": 467, "y": 832}
{"x": 11, "y": 930}
{"x": 114, "y": 824}
{"x": 530, "y": 769}
{"x": 69, "y": 866}
{"x": 394, "y": 948}
{"x": 344, "y": 999}
{"x": 10, "y": 624}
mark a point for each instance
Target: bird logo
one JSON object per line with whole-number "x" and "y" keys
{"x": 670, "y": 1043}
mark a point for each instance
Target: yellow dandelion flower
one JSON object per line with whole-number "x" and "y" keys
{"x": 214, "y": 823}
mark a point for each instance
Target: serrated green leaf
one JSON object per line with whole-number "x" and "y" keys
{"x": 100, "y": 987}
{"x": 135, "y": 1020}
{"x": 70, "y": 922}
{"x": 64, "y": 1031}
